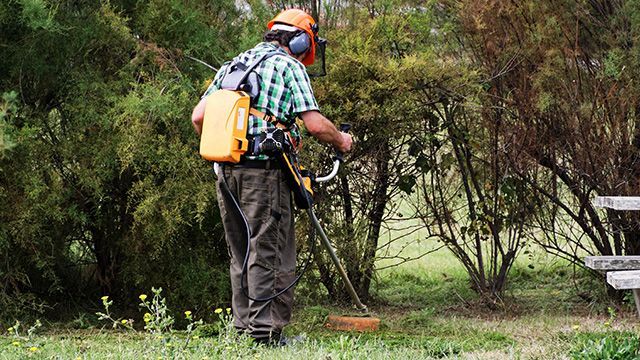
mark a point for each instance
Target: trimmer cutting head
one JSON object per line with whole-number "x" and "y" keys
{"x": 361, "y": 321}
{"x": 353, "y": 323}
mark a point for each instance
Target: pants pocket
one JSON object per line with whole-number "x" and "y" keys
{"x": 260, "y": 202}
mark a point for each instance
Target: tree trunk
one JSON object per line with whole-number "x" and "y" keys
{"x": 380, "y": 199}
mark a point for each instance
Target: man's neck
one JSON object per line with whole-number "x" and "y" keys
{"x": 277, "y": 44}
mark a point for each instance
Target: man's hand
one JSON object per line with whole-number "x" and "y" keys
{"x": 347, "y": 141}
{"x": 322, "y": 129}
{"x": 197, "y": 116}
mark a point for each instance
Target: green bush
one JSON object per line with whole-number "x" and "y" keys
{"x": 101, "y": 190}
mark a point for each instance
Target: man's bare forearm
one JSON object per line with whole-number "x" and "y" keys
{"x": 322, "y": 129}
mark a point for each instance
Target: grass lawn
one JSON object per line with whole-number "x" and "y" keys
{"x": 544, "y": 337}
{"x": 550, "y": 311}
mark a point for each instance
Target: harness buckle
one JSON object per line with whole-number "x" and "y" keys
{"x": 273, "y": 141}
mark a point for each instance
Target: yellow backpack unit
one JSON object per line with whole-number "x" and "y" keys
{"x": 226, "y": 115}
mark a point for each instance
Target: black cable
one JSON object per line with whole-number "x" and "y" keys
{"x": 225, "y": 189}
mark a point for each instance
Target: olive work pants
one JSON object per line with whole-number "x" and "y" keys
{"x": 265, "y": 199}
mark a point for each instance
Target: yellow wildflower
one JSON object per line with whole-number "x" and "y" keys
{"x": 217, "y": 311}
{"x": 16, "y": 343}
{"x": 228, "y": 311}
{"x": 143, "y": 297}
{"x": 105, "y": 298}
{"x": 10, "y": 329}
{"x": 124, "y": 321}
{"x": 187, "y": 313}
{"x": 147, "y": 317}
{"x": 33, "y": 349}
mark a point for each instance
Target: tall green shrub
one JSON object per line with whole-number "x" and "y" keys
{"x": 102, "y": 190}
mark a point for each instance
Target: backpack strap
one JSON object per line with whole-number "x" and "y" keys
{"x": 242, "y": 77}
{"x": 250, "y": 68}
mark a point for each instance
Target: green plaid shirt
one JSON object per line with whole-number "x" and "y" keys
{"x": 285, "y": 89}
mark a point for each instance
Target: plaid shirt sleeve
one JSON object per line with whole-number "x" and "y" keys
{"x": 297, "y": 81}
{"x": 217, "y": 80}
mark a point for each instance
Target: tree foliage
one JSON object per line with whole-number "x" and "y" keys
{"x": 566, "y": 74}
{"x": 102, "y": 190}
{"x": 379, "y": 78}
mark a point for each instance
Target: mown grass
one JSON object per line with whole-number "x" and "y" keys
{"x": 415, "y": 334}
{"x": 425, "y": 315}
{"x": 102, "y": 346}
{"x": 550, "y": 310}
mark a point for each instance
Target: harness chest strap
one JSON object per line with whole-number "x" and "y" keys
{"x": 272, "y": 119}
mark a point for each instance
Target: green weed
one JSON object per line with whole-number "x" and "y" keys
{"x": 611, "y": 345}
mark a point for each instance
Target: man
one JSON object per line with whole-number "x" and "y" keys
{"x": 257, "y": 182}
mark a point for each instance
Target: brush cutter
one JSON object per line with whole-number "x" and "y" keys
{"x": 363, "y": 322}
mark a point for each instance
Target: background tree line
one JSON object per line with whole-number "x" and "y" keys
{"x": 494, "y": 122}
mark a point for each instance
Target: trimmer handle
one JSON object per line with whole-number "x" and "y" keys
{"x": 344, "y": 127}
{"x": 336, "y": 160}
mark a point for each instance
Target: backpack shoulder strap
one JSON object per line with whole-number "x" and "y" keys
{"x": 250, "y": 68}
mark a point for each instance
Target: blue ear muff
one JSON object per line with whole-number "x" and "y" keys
{"x": 300, "y": 43}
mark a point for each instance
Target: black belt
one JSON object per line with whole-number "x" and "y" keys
{"x": 258, "y": 164}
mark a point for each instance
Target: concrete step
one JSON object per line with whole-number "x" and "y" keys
{"x": 607, "y": 263}
{"x": 629, "y": 279}
{"x": 617, "y": 202}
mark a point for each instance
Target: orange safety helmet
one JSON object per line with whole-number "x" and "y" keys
{"x": 302, "y": 21}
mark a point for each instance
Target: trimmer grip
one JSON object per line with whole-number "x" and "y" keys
{"x": 344, "y": 127}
